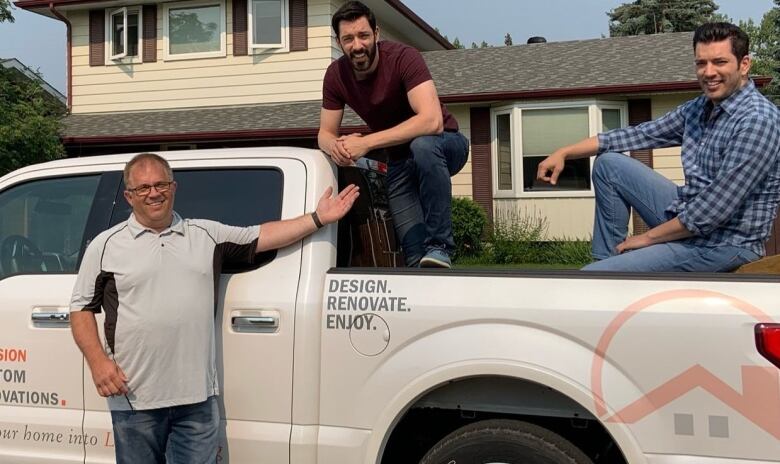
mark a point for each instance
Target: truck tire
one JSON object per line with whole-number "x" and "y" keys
{"x": 501, "y": 441}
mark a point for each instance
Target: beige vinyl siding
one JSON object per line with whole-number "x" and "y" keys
{"x": 270, "y": 77}
{"x": 667, "y": 161}
{"x": 567, "y": 218}
{"x": 461, "y": 182}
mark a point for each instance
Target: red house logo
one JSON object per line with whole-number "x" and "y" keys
{"x": 759, "y": 401}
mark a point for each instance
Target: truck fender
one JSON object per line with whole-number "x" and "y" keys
{"x": 499, "y": 349}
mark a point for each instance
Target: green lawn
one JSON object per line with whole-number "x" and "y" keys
{"x": 468, "y": 265}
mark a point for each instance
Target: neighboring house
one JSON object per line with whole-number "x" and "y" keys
{"x": 27, "y": 73}
{"x": 219, "y": 73}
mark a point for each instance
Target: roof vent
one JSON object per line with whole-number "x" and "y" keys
{"x": 537, "y": 40}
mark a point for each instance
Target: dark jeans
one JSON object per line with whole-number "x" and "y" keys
{"x": 186, "y": 434}
{"x": 420, "y": 193}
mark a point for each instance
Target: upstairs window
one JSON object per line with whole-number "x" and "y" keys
{"x": 268, "y": 23}
{"x": 123, "y": 29}
{"x": 194, "y": 30}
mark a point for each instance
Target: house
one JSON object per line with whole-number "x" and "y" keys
{"x": 218, "y": 73}
{"x": 25, "y": 72}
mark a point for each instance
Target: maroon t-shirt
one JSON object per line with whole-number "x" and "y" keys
{"x": 381, "y": 98}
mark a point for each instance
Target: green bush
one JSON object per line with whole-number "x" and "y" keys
{"x": 575, "y": 252}
{"x": 522, "y": 239}
{"x": 515, "y": 238}
{"x": 468, "y": 227}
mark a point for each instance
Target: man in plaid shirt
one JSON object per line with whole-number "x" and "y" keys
{"x": 730, "y": 139}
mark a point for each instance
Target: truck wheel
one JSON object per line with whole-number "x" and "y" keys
{"x": 501, "y": 441}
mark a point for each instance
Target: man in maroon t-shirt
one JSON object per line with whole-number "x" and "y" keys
{"x": 389, "y": 86}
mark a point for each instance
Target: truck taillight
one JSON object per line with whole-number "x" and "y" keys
{"x": 768, "y": 342}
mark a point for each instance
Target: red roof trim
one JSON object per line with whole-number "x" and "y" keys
{"x": 553, "y": 93}
{"x": 419, "y": 22}
{"x": 601, "y": 90}
{"x": 45, "y": 3}
{"x": 207, "y": 136}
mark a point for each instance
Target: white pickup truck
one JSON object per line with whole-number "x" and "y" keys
{"x": 322, "y": 362}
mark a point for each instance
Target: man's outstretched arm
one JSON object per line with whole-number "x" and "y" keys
{"x": 550, "y": 168}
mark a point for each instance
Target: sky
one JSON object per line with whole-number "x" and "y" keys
{"x": 39, "y": 42}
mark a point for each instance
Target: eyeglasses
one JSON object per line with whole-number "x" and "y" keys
{"x": 145, "y": 190}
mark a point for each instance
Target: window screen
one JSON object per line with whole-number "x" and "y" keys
{"x": 267, "y": 22}
{"x": 546, "y": 130}
{"x": 504, "y": 136}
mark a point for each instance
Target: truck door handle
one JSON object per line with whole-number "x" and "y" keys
{"x": 257, "y": 324}
{"x": 50, "y": 318}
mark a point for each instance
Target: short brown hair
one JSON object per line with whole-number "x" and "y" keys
{"x": 716, "y": 32}
{"x": 352, "y": 11}
{"x": 144, "y": 158}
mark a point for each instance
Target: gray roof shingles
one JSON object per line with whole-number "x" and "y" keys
{"x": 582, "y": 64}
{"x": 255, "y": 118}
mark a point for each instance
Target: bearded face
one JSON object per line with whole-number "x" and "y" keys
{"x": 358, "y": 42}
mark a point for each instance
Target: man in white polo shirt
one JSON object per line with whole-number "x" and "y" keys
{"x": 154, "y": 275}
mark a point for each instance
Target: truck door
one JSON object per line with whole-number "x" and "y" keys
{"x": 42, "y": 226}
{"x": 255, "y": 310}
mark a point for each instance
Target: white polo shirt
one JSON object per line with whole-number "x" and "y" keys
{"x": 158, "y": 294}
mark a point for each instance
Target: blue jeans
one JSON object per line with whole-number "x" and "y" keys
{"x": 186, "y": 434}
{"x": 622, "y": 183}
{"x": 420, "y": 193}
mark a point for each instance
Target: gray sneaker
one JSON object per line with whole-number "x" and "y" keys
{"x": 436, "y": 258}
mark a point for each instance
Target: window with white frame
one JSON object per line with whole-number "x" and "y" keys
{"x": 123, "y": 29}
{"x": 267, "y": 23}
{"x": 504, "y": 151}
{"x": 194, "y": 29}
{"x": 524, "y": 135}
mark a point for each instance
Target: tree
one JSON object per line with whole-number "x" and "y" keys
{"x": 764, "y": 42}
{"x": 658, "y": 16}
{"x": 765, "y": 49}
{"x": 456, "y": 43}
{"x": 474, "y": 45}
{"x": 29, "y": 123}
{"x": 484, "y": 45}
{"x": 776, "y": 21}
{"x": 5, "y": 11}
{"x": 768, "y": 51}
{"x": 507, "y": 39}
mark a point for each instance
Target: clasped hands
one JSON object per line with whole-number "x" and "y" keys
{"x": 347, "y": 149}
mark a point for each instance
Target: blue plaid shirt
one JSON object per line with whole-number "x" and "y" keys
{"x": 731, "y": 160}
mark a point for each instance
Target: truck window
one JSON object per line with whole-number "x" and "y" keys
{"x": 42, "y": 224}
{"x": 252, "y": 196}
